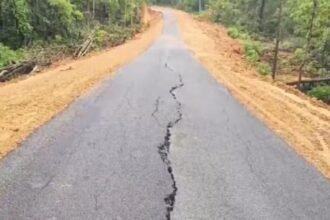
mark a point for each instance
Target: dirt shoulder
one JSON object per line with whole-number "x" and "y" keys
{"x": 27, "y": 104}
{"x": 303, "y": 122}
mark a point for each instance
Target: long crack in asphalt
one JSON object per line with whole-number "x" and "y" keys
{"x": 164, "y": 150}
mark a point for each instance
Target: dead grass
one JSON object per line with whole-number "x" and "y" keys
{"x": 26, "y": 104}
{"x": 303, "y": 122}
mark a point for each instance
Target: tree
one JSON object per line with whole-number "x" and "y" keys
{"x": 26, "y": 24}
{"x": 303, "y": 26}
{"x": 278, "y": 38}
{"x": 261, "y": 14}
{"x": 308, "y": 40}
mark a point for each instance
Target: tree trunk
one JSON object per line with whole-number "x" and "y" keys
{"x": 261, "y": 15}
{"x": 94, "y": 8}
{"x": 88, "y": 10}
{"x": 278, "y": 39}
{"x": 308, "y": 41}
{"x": 21, "y": 34}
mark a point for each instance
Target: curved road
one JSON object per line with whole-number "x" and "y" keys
{"x": 162, "y": 140}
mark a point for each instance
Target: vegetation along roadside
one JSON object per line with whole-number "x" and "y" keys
{"x": 302, "y": 121}
{"x": 286, "y": 39}
{"x": 34, "y": 34}
{"x": 27, "y": 103}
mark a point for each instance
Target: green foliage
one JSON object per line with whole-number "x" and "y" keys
{"x": 258, "y": 20}
{"x": 299, "y": 56}
{"x": 204, "y": 15}
{"x": 252, "y": 51}
{"x": 8, "y": 56}
{"x": 264, "y": 69}
{"x": 21, "y": 11}
{"x": 321, "y": 93}
{"x": 245, "y": 36}
{"x": 292, "y": 43}
{"x": 233, "y": 32}
{"x": 188, "y": 5}
{"x": 101, "y": 38}
{"x": 47, "y": 23}
{"x": 322, "y": 72}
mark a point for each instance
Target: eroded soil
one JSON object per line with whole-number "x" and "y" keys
{"x": 27, "y": 104}
{"x": 303, "y": 122}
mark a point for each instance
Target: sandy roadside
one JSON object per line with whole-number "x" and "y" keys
{"x": 27, "y": 104}
{"x": 303, "y": 122}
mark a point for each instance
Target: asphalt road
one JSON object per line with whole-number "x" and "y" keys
{"x": 162, "y": 140}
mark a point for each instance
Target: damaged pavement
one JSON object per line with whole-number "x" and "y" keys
{"x": 161, "y": 140}
{"x": 164, "y": 149}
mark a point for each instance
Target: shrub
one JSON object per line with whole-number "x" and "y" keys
{"x": 299, "y": 55}
{"x": 9, "y": 56}
{"x": 233, "y": 32}
{"x": 119, "y": 35}
{"x": 264, "y": 69}
{"x": 101, "y": 38}
{"x": 245, "y": 36}
{"x": 287, "y": 45}
{"x": 59, "y": 39}
{"x": 252, "y": 53}
{"x": 321, "y": 93}
{"x": 322, "y": 72}
{"x": 292, "y": 43}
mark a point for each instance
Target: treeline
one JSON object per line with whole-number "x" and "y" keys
{"x": 31, "y": 24}
{"x": 301, "y": 25}
{"x": 280, "y": 36}
{"x": 189, "y": 5}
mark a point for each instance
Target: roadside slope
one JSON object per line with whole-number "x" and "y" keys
{"x": 304, "y": 123}
{"x": 27, "y": 104}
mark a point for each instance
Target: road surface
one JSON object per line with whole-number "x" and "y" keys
{"x": 162, "y": 140}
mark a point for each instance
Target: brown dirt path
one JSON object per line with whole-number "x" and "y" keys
{"x": 303, "y": 122}
{"x": 27, "y": 104}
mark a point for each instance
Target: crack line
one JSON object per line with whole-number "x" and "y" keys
{"x": 164, "y": 150}
{"x": 48, "y": 182}
{"x": 157, "y": 102}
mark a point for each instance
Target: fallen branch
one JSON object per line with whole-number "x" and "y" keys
{"x": 310, "y": 81}
{"x": 12, "y": 71}
{"x": 84, "y": 48}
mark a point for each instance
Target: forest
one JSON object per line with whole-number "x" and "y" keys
{"x": 44, "y": 30}
{"x": 281, "y": 38}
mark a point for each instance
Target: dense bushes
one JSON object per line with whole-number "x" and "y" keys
{"x": 252, "y": 51}
{"x": 233, "y": 32}
{"x": 9, "y": 56}
{"x": 321, "y": 92}
{"x": 31, "y": 24}
{"x": 305, "y": 25}
{"x": 264, "y": 69}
